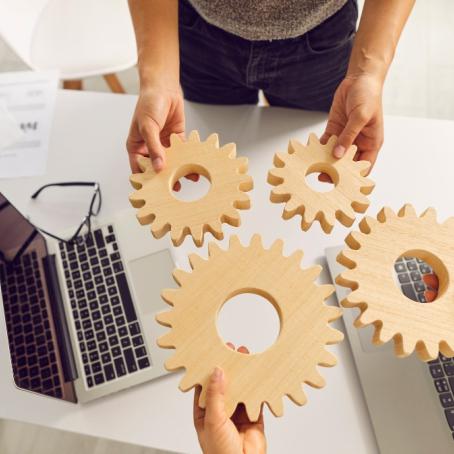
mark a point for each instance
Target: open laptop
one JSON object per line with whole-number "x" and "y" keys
{"x": 411, "y": 403}
{"x": 80, "y": 316}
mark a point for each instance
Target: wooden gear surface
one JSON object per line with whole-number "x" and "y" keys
{"x": 371, "y": 256}
{"x": 256, "y": 378}
{"x": 350, "y": 185}
{"x": 160, "y": 208}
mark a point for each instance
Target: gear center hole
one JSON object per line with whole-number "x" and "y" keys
{"x": 190, "y": 183}
{"x": 420, "y": 276}
{"x": 249, "y": 319}
{"x": 322, "y": 177}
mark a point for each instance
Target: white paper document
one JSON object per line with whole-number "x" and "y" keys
{"x": 26, "y": 98}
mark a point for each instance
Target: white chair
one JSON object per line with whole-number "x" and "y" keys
{"x": 80, "y": 38}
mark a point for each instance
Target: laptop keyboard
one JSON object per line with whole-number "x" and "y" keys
{"x": 32, "y": 349}
{"x": 410, "y": 272}
{"x": 110, "y": 341}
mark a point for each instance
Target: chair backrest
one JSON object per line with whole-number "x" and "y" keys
{"x": 17, "y": 23}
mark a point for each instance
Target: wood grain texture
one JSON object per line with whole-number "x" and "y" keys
{"x": 371, "y": 256}
{"x": 225, "y": 172}
{"x": 256, "y": 378}
{"x": 350, "y": 185}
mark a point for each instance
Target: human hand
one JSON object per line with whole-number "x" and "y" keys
{"x": 219, "y": 434}
{"x": 159, "y": 113}
{"x": 356, "y": 117}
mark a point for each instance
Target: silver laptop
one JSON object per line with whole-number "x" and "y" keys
{"x": 80, "y": 316}
{"x": 411, "y": 403}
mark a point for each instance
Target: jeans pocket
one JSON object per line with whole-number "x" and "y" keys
{"x": 335, "y": 32}
{"x": 188, "y": 17}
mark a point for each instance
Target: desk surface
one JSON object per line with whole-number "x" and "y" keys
{"x": 87, "y": 143}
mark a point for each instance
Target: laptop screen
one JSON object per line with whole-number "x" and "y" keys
{"x": 35, "y": 357}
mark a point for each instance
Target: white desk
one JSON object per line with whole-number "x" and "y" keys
{"x": 87, "y": 143}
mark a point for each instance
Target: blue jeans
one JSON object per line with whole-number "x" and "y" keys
{"x": 218, "y": 67}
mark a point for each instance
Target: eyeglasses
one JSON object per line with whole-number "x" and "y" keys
{"x": 95, "y": 207}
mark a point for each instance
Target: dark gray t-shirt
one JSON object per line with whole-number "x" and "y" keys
{"x": 267, "y": 19}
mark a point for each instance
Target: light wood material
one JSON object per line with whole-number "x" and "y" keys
{"x": 346, "y": 198}
{"x": 226, "y": 173}
{"x": 282, "y": 368}
{"x": 371, "y": 256}
{"x": 114, "y": 83}
{"x": 72, "y": 84}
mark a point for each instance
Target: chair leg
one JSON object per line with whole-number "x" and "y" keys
{"x": 113, "y": 83}
{"x": 72, "y": 84}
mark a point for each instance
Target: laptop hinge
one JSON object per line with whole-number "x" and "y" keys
{"x": 58, "y": 312}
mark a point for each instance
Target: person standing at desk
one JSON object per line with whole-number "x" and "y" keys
{"x": 301, "y": 53}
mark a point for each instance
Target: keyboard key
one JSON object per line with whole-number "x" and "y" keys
{"x": 446, "y": 400}
{"x": 109, "y": 372}
{"x": 130, "y": 360}
{"x": 99, "y": 379}
{"x": 120, "y": 367}
{"x": 143, "y": 363}
{"x": 404, "y": 278}
{"x": 436, "y": 371}
{"x": 407, "y": 290}
{"x": 450, "y": 417}
{"x": 126, "y": 298}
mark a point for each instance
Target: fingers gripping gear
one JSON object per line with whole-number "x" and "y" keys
{"x": 370, "y": 257}
{"x": 257, "y": 378}
{"x": 158, "y": 206}
{"x": 347, "y": 197}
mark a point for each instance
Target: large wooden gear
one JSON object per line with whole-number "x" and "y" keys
{"x": 350, "y": 184}
{"x": 256, "y": 378}
{"x": 371, "y": 255}
{"x": 160, "y": 208}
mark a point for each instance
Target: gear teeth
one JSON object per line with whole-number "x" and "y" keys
{"x": 404, "y": 346}
{"x": 334, "y": 336}
{"x": 197, "y": 233}
{"x": 165, "y": 318}
{"x": 326, "y": 359}
{"x": 169, "y": 295}
{"x": 277, "y": 246}
{"x": 407, "y": 211}
{"x": 326, "y": 290}
{"x": 167, "y": 340}
{"x": 187, "y": 382}
{"x": 175, "y": 140}
{"x": 314, "y": 379}
{"x": 214, "y": 249}
{"x": 276, "y": 406}
{"x": 429, "y": 215}
{"x": 181, "y": 277}
{"x": 194, "y": 136}
{"x": 213, "y": 139}
{"x": 144, "y": 164}
{"x": 229, "y": 150}
{"x": 234, "y": 242}
{"x": 351, "y": 152}
{"x": 386, "y": 214}
{"x": 365, "y": 318}
{"x": 196, "y": 261}
{"x": 297, "y": 395}
{"x": 427, "y": 350}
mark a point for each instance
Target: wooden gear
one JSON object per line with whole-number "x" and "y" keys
{"x": 348, "y": 195}
{"x": 226, "y": 173}
{"x": 372, "y": 252}
{"x": 255, "y": 378}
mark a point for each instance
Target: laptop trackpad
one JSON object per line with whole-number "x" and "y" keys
{"x": 150, "y": 274}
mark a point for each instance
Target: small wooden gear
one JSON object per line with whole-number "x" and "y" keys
{"x": 371, "y": 256}
{"x": 256, "y": 378}
{"x": 347, "y": 196}
{"x": 226, "y": 173}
